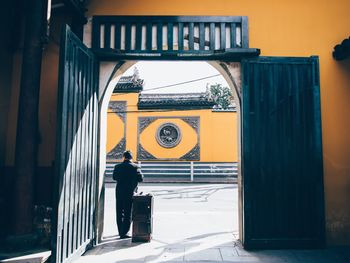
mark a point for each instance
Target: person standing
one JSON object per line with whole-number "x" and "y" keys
{"x": 127, "y": 175}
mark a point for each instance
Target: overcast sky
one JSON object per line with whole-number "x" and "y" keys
{"x": 163, "y": 73}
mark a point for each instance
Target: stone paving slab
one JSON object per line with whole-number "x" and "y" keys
{"x": 210, "y": 254}
{"x": 206, "y": 251}
{"x": 195, "y": 223}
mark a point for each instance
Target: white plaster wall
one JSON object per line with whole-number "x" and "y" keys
{"x": 109, "y": 77}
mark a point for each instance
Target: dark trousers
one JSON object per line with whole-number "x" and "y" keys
{"x": 124, "y": 206}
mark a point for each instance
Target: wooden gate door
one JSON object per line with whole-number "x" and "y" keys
{"x": 282, "y": 153}
{"x": 76, "y": 152}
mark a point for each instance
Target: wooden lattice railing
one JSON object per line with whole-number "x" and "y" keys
{"x": 180, "y": 35}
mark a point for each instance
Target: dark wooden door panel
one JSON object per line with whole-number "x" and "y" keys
{"x": 282, "y": 153}
{"x": 76, "y": 150}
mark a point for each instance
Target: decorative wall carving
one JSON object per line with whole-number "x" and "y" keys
{"x": 119, "y": 108}
{"x": 143, "y": 154}
{"x": 192, "y": 155}
{"x": 168, "y": 135}
{"x": 193, "y": 122}
{"x": 117, "y": 151}
{"x": 144, "y": 122}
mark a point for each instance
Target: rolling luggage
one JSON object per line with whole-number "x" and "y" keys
{"x": 142, "y": 216}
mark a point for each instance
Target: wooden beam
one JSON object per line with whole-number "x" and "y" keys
{"x": 229, "y": 54}
{"x": 77, "y": 8}
{"x": 27, "y": 122}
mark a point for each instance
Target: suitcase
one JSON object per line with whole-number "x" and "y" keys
{"x": 142, "y": 216}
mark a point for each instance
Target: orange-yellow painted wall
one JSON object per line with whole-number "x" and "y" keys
{"x": 278, "y": 28}
{"x": 47, "y": 103}
{"x": 11, "y": 124}
{"x": 47, "y": 108}
{"x": 217, "y": 136}
{"x": 288, "y": 28}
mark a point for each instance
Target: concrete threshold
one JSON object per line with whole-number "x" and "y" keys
{"x": 31, "y": 257}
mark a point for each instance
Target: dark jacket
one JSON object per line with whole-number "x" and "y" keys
{"x": 128, "y": 175}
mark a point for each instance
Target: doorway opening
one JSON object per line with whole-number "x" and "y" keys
{"x": 195, "y": 183}
{"x": 277, "y": 198}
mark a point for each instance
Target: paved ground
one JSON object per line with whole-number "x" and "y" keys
{"x": 184, "y": 211}
{"x": 194, "y": 223}
{"x": 30, "y": 257}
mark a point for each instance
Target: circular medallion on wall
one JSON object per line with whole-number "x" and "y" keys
{"x": 168, "y": 135}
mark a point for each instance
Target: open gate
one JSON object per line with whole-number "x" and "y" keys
{"x": 76, "y": 150}
{"x": 282, "y": 171}
{"x": 282, "y": 153}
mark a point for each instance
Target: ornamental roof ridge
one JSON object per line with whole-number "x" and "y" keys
{"x": 173, "y": 96}
{"x": 131, "y": 83}
{"x": 125, "y": 79}
{"x": 165, "y": 100}
{"x": 177, "y": 94}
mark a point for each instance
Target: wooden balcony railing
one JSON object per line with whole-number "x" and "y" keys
{"x": 159, "y": 36}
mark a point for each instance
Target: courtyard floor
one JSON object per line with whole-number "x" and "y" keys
{"x": 193, "y": 223}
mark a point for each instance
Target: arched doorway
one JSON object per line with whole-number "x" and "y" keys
{"x": 231, "y": 73}
{"x": 280, "y": 136}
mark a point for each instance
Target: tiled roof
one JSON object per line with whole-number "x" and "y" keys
{"x": 175, "y": 100}
{"x": 129, "y": 84}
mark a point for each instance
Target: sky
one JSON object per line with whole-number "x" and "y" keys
{"x": 162, "y": 73}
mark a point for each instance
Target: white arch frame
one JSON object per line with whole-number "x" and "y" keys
{"x": 110, "y": 73}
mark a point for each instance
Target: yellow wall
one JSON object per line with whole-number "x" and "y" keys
{"x": 47, "y": 108}
{"x": 6, "y": 55}
{"x": 47, "y": 103}
{"x": 288, "y": 28}
{"x": 278, "y": 28}
{"x": 213, "y": 148}
{"x": 12, "y": 125}
{"x": 47, "y": 117}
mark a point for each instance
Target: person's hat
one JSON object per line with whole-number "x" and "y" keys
{"x": 127, "y": 155}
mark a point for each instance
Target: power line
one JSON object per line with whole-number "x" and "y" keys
{"x": 175, "y": 84}
{"x": 185, "y": 82}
